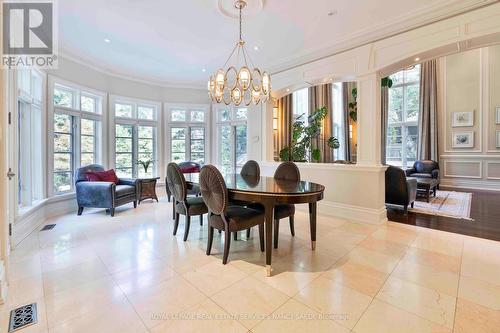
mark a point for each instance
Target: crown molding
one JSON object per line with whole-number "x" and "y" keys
{"x": 401, "y": 24}
{"x": 65, "y": 54}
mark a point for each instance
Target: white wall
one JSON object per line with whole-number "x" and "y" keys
{"x": 86, "y": 76}
{"x": 367, "y": 64}
{"x": 470, "y": 82}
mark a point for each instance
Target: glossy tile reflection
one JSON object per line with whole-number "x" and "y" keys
{"x": 91, "y": 270}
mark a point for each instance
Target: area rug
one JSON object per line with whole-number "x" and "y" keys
{"x": 446, "y": 203}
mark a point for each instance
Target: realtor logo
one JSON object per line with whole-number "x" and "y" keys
{"x": 28, "y": 34}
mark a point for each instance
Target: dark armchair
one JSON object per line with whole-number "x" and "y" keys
{"x": 103, "y": 194}
{"x": 399, "y": 190}
{"x": 424, "y": 169}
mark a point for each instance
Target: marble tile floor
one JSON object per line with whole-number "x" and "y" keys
{"x": 95, "y": 273}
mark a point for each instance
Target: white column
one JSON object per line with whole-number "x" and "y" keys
{"x": 369, "y": 120}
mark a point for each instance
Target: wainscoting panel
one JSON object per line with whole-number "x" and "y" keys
{"x": 493, "y": 170}
{"x": 463, "y": 169}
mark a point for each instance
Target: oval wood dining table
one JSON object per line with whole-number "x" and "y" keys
{"x": 269, "y": 192}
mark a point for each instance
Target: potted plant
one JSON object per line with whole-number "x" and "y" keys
{"x": 301, "y": 148}
{"x": 146, "y": 162}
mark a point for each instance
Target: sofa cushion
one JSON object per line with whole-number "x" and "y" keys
{"x": 92, "y": 177}
{"x": 124, "y": 190}
{"x": 421, "y": 175}
{"x": 103, "y": 176}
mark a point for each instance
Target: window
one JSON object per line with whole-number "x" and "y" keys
{"x": 76, "y": 133}
{"x": 402, "y": 130}
{"x": 187, "y": 134}
{"x": 63, "y": 152}
{"x": 300, "y": 102}
{"x": 232, "y": 138}
{"x": 124, "y": 149}
{"x": 30, "y": 120}
{"x": 338, "y": 121}
{"x": 135, "y": 135}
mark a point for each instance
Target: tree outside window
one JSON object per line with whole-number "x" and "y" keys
{"x": 402, "y": 130}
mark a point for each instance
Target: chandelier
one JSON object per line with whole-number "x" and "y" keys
{"x": 239, "y": 84}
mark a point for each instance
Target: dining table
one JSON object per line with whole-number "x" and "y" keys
{"x": 269, "y": 192}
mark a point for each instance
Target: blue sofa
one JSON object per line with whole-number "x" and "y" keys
{"x": 103, "y": 194}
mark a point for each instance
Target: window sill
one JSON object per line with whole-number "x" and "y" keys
{"x": 27, "y": 210}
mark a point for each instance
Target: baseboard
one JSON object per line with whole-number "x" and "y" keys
{"x": 3, "y": 283}
{"x": 350, "y": 212}
{"x": 471, "y": 184}
{"x": 36, "y": 217}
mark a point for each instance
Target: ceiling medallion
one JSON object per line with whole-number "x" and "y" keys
{"x": 239, "y": 83}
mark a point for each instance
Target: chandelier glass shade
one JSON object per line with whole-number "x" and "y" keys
{"x": 240, "y": 83}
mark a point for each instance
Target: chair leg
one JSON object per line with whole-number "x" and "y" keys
{"x": 210, "y": 239}
{"x": 227, "y": 243}
{"x": 248, "y": 233}
{"x": 412, "y": 204}
{"x": 235, "y": 235}
{"x": 135, "y": 204}
{"x": 176, "y": 223}
{"x": 186, "y": 227}
{"x": 292, "y": 226}
{"x": 112, "y": 212}
{"x": 276, "y": 232}
{"x": 201, "y": 219}
{"x": 80, "y": 211}
{"x": 405, "y": 211}
{"x": 261, "y": 237}
{"x": 173, "y": 208}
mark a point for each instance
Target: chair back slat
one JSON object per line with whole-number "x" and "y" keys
{"x": 213, "y": 189}
{"x": 176, "y": 182}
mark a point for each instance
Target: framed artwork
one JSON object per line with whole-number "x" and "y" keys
{"x": 463, "y": 139}
{"x": 498, "y": 115}
{"x": 462, "y": 119}
{"x": 498, "y": 139}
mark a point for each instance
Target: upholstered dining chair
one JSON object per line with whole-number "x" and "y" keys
{"x": 221, "y": 215}
{"x": 250, "y": 169}
{"x": 285, "y": 171}
{"x": 184, "y": 205}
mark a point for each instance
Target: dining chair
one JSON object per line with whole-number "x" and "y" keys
{"x": 285, "y": 171}
{"x": 188, "y": 206}
{"x": 250, "y": 169}
{"x": 223, "y": 216}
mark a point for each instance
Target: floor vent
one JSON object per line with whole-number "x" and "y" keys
{"x": 22, "y": 316}
{"x": 48, "y": 227}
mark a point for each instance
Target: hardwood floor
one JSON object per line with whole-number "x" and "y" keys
{"x": 485, "y": 211}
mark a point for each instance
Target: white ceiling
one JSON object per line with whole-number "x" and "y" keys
{"x": 169, "y": 42}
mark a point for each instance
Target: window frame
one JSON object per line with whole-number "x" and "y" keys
{"x": 233, "y": 122}
{"x": 136, "y": 122}
{"x": 30, "y": 163}
{"x": 76, "y": 115}
{"x": 404, "y": 123}
{"x": 189, "y": 124}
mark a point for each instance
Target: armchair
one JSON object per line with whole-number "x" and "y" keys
{"x": 107, "y": 195}
{"x": 424, "y": 169}
{"x": 399, "y": 190}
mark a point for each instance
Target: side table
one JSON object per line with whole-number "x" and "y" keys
{"x": 147, "y": 189}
